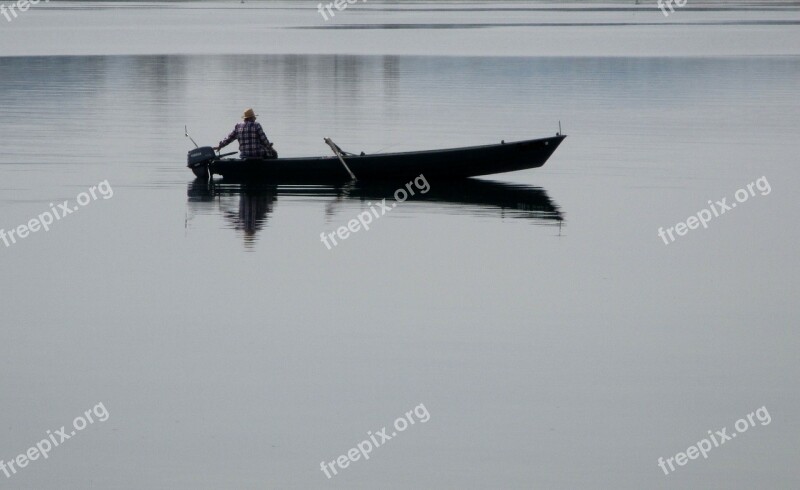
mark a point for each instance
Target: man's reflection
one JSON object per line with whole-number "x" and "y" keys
{"x": 247, "y": 205}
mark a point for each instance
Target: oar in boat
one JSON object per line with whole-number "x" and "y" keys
{"x": 339, "y": 154}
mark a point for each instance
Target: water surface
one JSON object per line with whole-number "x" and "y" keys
{"x": 552, "y": 336}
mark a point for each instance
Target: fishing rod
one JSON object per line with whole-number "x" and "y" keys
{"x": 186, "y": 133}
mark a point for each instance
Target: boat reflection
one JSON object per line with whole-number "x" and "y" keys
{"x": 247, "y": 206}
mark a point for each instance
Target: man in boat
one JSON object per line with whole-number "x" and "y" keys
{"x": 253, "y": 142}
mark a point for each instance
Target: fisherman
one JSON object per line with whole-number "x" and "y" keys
{"x": 253, "y": 142}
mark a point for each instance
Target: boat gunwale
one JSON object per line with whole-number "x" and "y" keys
{"x": 404, "y": 153}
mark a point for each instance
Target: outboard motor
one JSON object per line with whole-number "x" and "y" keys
{"x": 198, "y": 158}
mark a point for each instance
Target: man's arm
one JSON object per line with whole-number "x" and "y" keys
{"x": 227, "y": 141}
{"x": 263, "y": 136}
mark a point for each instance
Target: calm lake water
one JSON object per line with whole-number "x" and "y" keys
{"x": 549, "y": 333}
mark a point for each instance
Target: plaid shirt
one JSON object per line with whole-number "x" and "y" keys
{"x": 253, "y": 142}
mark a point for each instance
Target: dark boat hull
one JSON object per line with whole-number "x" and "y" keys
{"x": 454, "y": 163}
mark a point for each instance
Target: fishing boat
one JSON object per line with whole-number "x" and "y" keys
{"x": 454, "y": 163}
